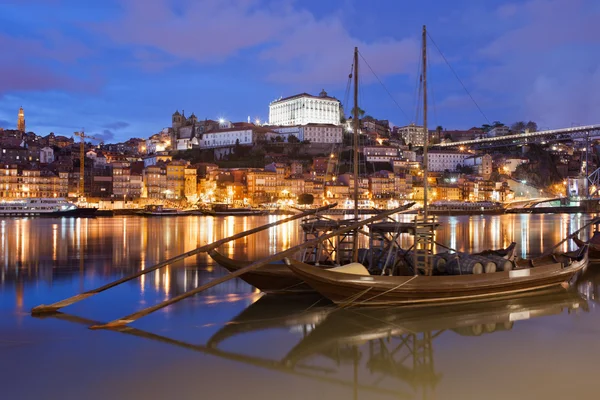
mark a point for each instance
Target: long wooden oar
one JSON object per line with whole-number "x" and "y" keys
{"x": 255, "y": 265}
{"x": 594, "y": 220}
{"x": 66, "y": 302}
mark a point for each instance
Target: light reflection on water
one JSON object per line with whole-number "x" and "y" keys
{"x": 274, "y": 347}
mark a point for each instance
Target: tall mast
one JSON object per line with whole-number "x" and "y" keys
{"x": 355, "y": 169}
{"x": 425, "y": 130}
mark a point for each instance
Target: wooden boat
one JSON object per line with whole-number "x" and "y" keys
{"x": 594, "y": 245}
{"x": 278, "y": 278}
{"x": 224, "y": 210}
{"x": 555, "y": 271}
{"x": 158, "y": 210}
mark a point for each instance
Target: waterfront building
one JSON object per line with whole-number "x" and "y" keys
{"x": 382, "y": 185}
{"x": 176, "y": 179}
{"x": 21, "y": 120}
{"x": 262, "y": 185}
{"x": 303, "y": 108}
{"x": 155, "y": 181}
{"x": 191, "y": 184}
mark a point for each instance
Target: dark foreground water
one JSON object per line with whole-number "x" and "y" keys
{"x": 231, "y": 343}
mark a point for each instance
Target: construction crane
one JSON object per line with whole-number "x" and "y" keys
{"x": 83, "y": 138}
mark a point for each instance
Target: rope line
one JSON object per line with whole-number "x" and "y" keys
{"x": 385, "y": 88}
{"x": 457, "y": 77}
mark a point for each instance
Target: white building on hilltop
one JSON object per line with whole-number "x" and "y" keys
{"x": 304, "y": 108}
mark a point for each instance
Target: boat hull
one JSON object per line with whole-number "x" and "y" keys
{"x": 272, "y": 278}
{"x": 79, "y": 212}
{"x": 277, "y": 278}
{"x": 342, "y": 288}
{"x": 594, "y": 248}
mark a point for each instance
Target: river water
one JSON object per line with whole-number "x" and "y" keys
{"x": 232, "y": 342}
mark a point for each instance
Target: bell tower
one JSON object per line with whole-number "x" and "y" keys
{"x": 21, "y": 120}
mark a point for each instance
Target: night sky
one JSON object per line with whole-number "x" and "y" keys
{"x": 119, "y": 69}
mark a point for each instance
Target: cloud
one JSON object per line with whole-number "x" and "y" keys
{"x": 116, "y": 125}
{"x": 105, "y": 136}
{"x": 291, "y": 44}
{"x": 39, "y": 63}
{"x": 545, "y": 67}
{"x": 5, "y": 124}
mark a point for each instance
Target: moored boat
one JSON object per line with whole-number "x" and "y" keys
{"x": 278, "y": 278}
{"x": 159, "y": 210}
{"x": 358, "y": 287}
{"x": 38, "y": 206}
{"x": 223, "y": 210}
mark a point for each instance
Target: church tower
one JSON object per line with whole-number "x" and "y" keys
{"x": 21, "y": 120}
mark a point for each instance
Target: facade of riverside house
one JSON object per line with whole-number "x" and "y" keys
{"x": 176, "y": 180}
{"x": 303, "y": 108}
{"x": 155, "y": 181}
{"x": 382, "y": 185}
{"x": 447, "y": 192}
{"x": 261, "y": 186}
{"x": 191, "y": 183}
{"x": 16, "y": 183}
{"x": 438, "y": 160}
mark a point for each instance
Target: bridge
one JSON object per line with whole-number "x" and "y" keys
{"x": 579, "y": 133}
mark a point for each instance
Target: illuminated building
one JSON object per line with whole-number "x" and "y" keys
{"x": 17, "y": 183}
{"x": 302, "y": 109}
{"x": 21, "y": 120}
{"x": 176, "y": 179}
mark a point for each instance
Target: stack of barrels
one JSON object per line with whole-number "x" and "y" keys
{"x": 466, "y": 264}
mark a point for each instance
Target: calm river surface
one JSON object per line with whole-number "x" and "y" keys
{"x": 231, "y": 342}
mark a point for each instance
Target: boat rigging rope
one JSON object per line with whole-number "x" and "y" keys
{"x": 456, "y": 76}
{"x": 384, "y": 87}
{"x": 389, "y": 290}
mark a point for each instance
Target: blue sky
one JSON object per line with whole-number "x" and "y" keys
{"x": 120, "y": 68}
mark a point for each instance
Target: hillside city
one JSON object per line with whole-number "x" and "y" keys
{"x": 303, "y": 155}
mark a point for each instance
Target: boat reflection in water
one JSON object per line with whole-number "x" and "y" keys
{"x": 359, "y": 348}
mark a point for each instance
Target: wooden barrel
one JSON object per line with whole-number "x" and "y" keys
{"x": 489, "y": 328}
{"x": 488, "y": 265}
{"x": 464, "y": 266}
{"x": 502, "y": 264}
{"x": 439, "y": 263}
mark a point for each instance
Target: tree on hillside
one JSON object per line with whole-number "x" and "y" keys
{"x": 361, "y": 112}
{"x": 518, "y": 127}
{"x": 531, "y": 126}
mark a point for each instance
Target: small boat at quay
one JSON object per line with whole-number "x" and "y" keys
{"x": 352, "y": 283}
{"x": 278, "y": 278}
{"x": 223, "y": 210}
{"x": 48, "y": 207}
{"x": 465, "y": 208}
{"x": 159, "y": 210}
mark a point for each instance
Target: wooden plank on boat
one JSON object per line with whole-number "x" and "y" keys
{"x": 255, "y": 265}
{"x": 202, "y": 249}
